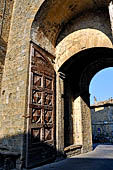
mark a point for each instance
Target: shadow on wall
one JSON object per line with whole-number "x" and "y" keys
{"x": 41, "y": 153}
{"x": 10, "y": 156}
{"x": 35, "y": 154}
{"x": 86, "y": 20}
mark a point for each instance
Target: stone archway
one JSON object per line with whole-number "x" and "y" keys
{"x": 73, "y": 55}
{"x": 16, "y": 71}
{"x": 78, "y": 41}
{"x": 76, "y": 128}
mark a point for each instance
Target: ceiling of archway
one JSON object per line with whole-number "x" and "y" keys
{"x": 54, "y": 14}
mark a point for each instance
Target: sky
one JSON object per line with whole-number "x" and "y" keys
{"x": 101, "y": 85}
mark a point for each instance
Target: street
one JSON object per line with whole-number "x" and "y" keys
{"x": 101, "y": 158}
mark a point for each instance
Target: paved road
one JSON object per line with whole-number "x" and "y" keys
{"x": 101, "y": 158}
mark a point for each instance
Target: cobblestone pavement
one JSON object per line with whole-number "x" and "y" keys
{"x": 101, "y": 158}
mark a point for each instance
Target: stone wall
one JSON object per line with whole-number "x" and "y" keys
{"x": 6, "y": 8}
{"x": 5, "y": 18}
{"x": 15, "y": 76}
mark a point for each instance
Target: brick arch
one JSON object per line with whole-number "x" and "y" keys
{"x": 79, "y": 41}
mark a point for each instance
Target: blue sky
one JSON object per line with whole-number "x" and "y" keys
{"x": 101, "y": 85}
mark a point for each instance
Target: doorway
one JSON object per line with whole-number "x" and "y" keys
{"x": 76, "y": 115}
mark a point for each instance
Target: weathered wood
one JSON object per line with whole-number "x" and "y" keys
{"x": 41, "y": 138}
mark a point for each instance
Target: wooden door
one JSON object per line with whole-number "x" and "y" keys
{"x": 41, "y": 133}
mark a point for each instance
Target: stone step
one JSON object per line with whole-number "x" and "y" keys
{"x": 72, "y": 150}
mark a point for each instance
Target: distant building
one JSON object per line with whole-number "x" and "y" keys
{"x": 102, "y": 121}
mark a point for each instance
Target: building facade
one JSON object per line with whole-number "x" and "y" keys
{"x": 49, "y": 52}
{"x": 102, "y": 121}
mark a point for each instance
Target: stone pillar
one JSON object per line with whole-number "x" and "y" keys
{"x": 60, "y": 112}
{"x": 86, "y": 122}
{"x": 77, "y": 122}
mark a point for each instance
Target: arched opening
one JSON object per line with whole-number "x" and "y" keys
{"x": 44, "y": 33}
{"x": 101, "y": 86}
{"x": 102, "y": 106}
{"x": 78, "y": 71}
